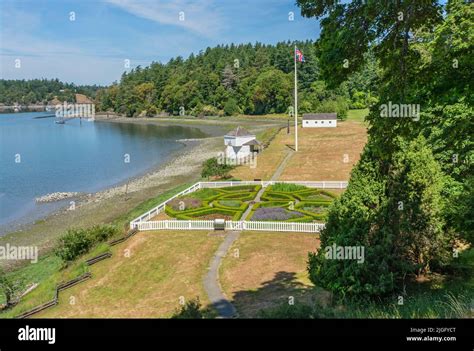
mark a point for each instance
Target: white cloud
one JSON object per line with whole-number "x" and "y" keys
{"x": 201, "y": 17}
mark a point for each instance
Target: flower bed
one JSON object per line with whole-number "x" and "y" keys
{"x": 185, "y": 203}
{"x": 234, "y": 214}
{"x": 274, "y": 214}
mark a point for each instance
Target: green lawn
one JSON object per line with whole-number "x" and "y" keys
{"x": 162, "y": 268}
{"x": 357, "y": 115}
{"x": 47, "y": 272}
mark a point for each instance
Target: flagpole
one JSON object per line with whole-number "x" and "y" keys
{"x": 296, "y": 106}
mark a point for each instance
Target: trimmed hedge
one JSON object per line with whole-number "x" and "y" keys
{"x": 287, "y": 187}
{"x": 271, "y": 196}
{"x": 238, "y": 196}
{"x": 319, "y": 216}
{"x": 304, "y": 195}
{"x": 207, "y": 194}
{"x": 243, "y": 206}
{"x": 241, "y": 188}
{"x": 192, "y": 215}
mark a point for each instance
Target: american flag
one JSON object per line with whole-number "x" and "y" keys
{"x": 299, "y": 55}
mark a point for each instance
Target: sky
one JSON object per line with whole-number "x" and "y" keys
{"x": 91, "y": 41}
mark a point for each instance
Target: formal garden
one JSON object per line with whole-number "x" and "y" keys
{"x": 279, "y": 202}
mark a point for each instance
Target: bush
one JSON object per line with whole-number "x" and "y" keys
{"x": 74, "y": 243}
{"x": 208, "y": 110}
{"x": 8, "y": 288}
{"x": 338, "y": 105}
{"x": 101, "y": 233}
{"x": 77, "y": 242}
{"x": 231, "y": 108}
{"x": 212, "y": 168}
{"x": 190, "y": 310}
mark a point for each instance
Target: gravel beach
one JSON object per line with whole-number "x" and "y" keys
{"x": 107, "y": 205}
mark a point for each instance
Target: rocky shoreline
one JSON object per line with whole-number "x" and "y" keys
{"x": 58, "y": 196}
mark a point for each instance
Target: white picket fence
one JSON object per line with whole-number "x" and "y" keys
{"x": 145, "y": 218}
{"x": 161, "y": 207}
{"x": 176, "y": 225}
{"x": 265, "y": 183}
{"x": 232, "y": 225}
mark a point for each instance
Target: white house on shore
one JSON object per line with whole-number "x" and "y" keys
{"x": 240, "y": 144}
{"x": 319, "y": 120}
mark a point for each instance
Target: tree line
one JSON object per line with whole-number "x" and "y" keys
{"x": 41, "y": 91}
{"x": 237, "y": 79}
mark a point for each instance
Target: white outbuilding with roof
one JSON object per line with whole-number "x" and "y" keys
{"x": 319, "y": 120}
{"x": 240, "y": 143}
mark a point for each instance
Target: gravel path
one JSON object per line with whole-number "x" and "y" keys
{"x": 213, "y": 289}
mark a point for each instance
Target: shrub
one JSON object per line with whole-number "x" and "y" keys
{"x": 8, "y": 288}
{"x": 77, "y": 242}
{"x": 338, "y": 105}
{"x": 208, "y": 110}
{"x": 212, "y": 168}
{"x": 231, "y": 108}
{"x": 190, "y": 310}
{"x": 74, "y": 243}
{"x": 100, "y": 233}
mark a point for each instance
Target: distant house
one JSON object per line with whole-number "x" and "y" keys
{"x": 240, "y": 143}
{"x": 319, "y": 120}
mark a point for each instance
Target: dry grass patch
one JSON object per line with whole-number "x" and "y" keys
{"x": 322, "y": 151}
{"x": 269, "y": 268}
{"x": 267, "y": 161}
{"x": 162, "y": 266}
{"x": 321, "y": 154}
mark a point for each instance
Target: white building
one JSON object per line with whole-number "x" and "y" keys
{"x": 240, "y": 144}
{"x": 319, "y": 120}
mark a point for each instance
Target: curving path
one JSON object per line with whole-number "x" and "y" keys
{"x": 213, "y": 289}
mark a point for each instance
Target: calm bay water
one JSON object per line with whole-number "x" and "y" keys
{"x": 39, "y": 157}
